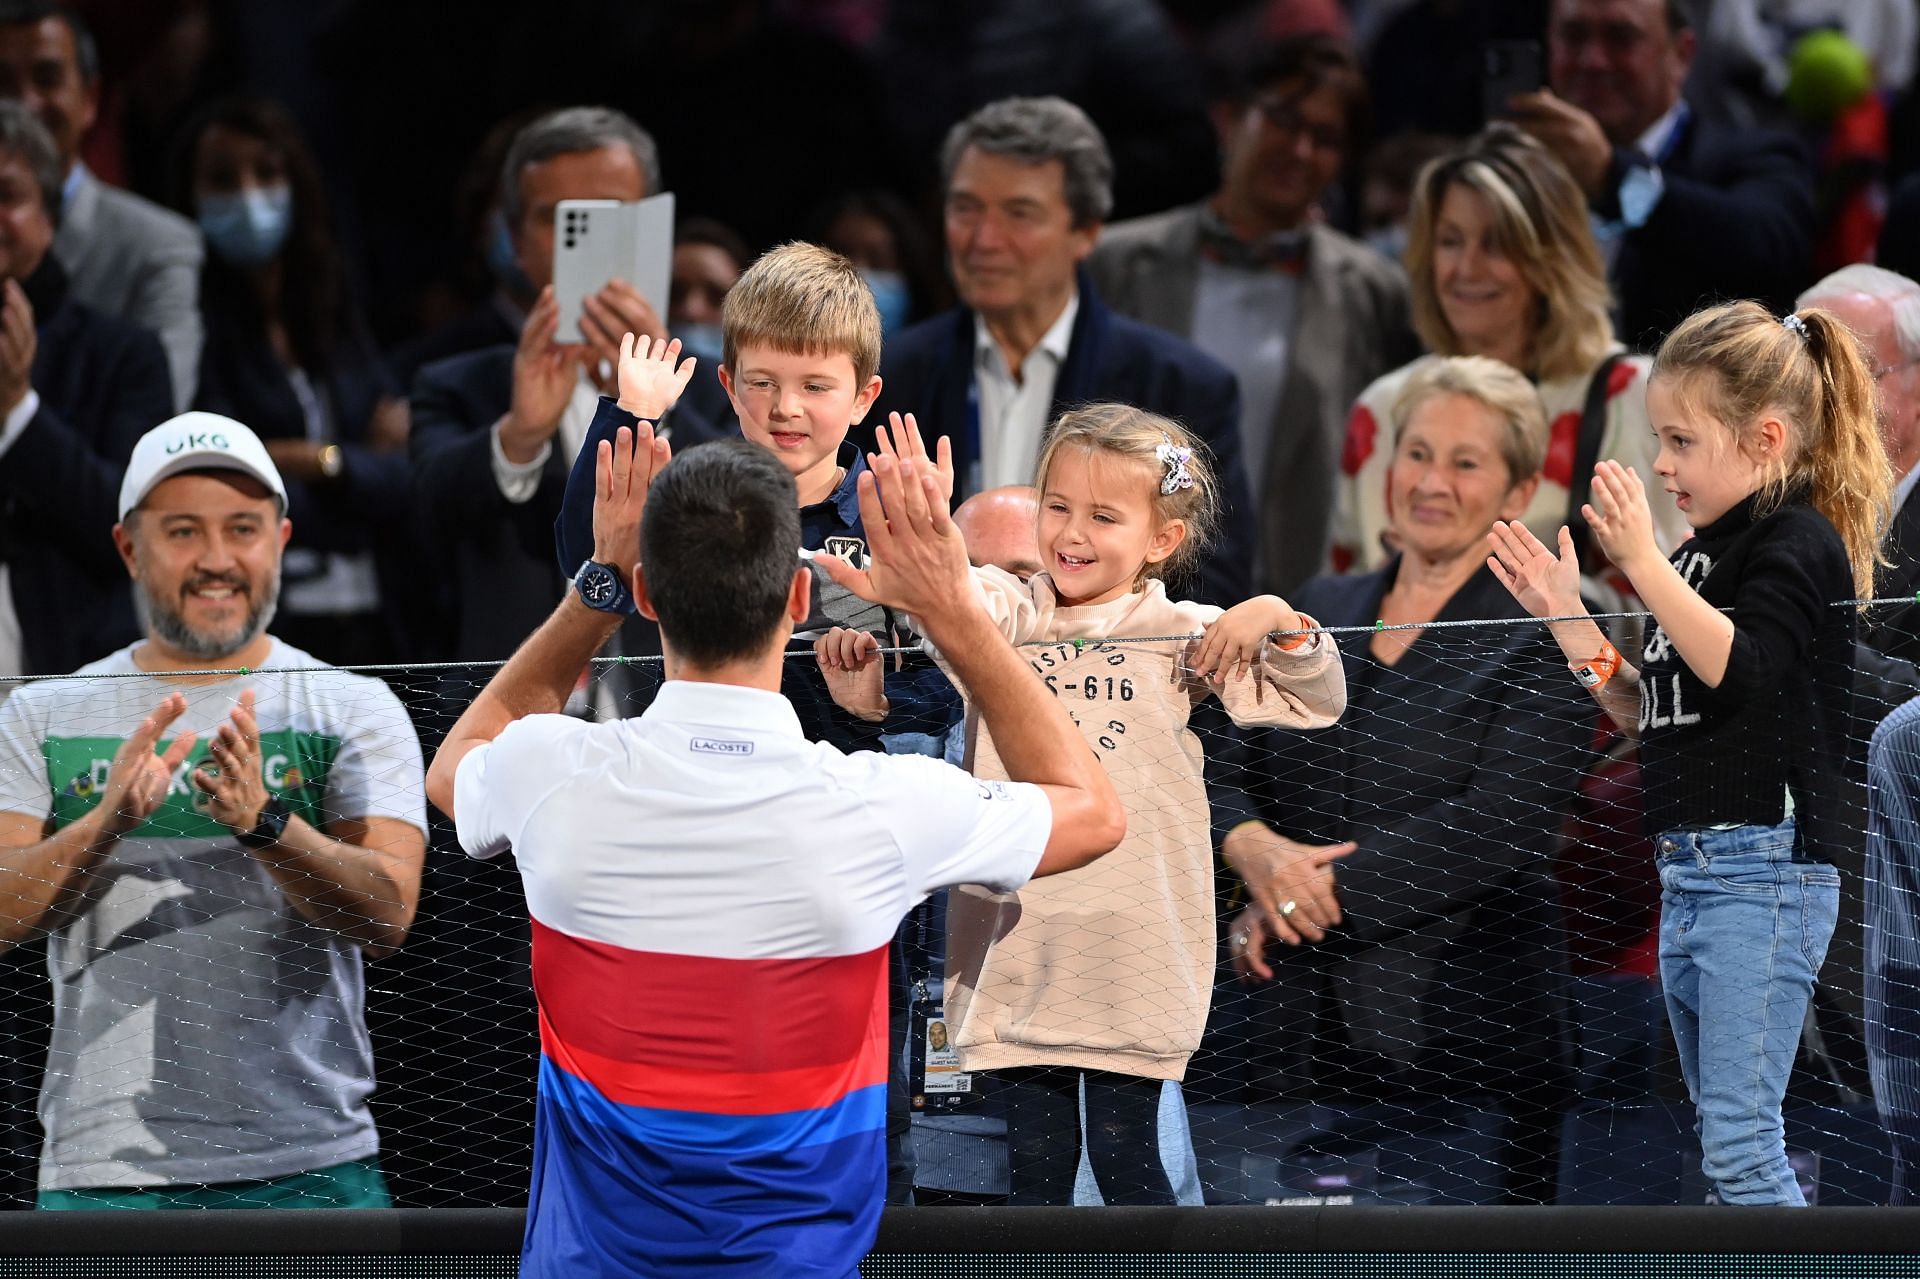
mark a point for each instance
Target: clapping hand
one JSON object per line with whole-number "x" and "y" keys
{"x": 1545, "y": 584}
{"x": 231, "y": 777}
{"x": 19, "y": 343}
{"x": 617, "y": 308}
{"x": 138, "y": 780}
{"x": 544, "y": 372}
{"x": 1621, "y": 520}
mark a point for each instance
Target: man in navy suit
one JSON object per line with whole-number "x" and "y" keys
{"x": 495, "y": 431}
{"x": 77, "y": 390}
{"x": 1877, "y": 941}
{"x": 1029, "y": 184}
{"x": 1690, "y": 212}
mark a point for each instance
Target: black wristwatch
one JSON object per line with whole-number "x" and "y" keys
{"x": 272, "y": 824}
{"x": 602, "y": 587}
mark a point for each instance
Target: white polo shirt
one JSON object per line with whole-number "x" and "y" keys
{"x": 713, "y": 897}
{"x": 713, "y": 809}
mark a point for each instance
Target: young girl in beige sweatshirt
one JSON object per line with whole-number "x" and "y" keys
{"x": 1103, "y": 974}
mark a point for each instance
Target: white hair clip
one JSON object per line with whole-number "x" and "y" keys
{"x": 1175, "y": 459}
{"x": 1796, "y": 326}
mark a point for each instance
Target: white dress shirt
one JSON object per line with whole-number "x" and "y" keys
{"x": 1014, "y": 407}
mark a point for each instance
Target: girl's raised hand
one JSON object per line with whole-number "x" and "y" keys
{"x": 1621, "y": 520}
{"x": 901, "y": 439}
{"x": 1546, "y": 584}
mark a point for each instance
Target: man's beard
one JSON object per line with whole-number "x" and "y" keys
{"x": 170, "y": 626}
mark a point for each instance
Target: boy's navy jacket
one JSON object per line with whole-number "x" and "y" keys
{"x": 922, "y": 700}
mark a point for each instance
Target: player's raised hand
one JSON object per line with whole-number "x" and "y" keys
{"x": 624, "y": 468}
{"x": 917, "y": 561}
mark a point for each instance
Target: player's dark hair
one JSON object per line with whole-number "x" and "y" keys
{"x": 720, "y": 543}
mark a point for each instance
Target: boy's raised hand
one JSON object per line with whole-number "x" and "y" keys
{"x": 650, "y": 384}
{"x": 850, "y": 664}
{"x": 1545, "y": 584}
{"x": 901, "y": 439}
{"x": 623, "y": 470}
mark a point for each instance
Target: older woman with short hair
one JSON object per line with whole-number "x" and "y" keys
{"x": 1401, "y": 857}
{"x": 1503, "y": 263}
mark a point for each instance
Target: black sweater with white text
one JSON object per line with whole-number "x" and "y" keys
{"x": 1780, "y": 721}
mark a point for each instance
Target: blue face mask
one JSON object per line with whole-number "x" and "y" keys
{"x": 700, "y": 340}
{"x": 891, "y": 295}
{"x": 247, "y": 228}
{"x": 502, "y": 262}
{"x": 1390, "y": 240}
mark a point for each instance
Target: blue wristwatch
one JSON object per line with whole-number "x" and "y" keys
{"x": 602, "y": 587}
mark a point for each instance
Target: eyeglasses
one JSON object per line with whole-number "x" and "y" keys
{"x": 1885, "y": 369}
{"x": 1280, "y": 113}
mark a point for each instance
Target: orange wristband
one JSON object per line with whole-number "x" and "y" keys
{"x": 1306, "y": 627}
{"x": 1594, "y": 674}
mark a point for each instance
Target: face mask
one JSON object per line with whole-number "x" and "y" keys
{"x": 502, "y": 262}
{"x": 247, "y": 228}
{"x": 891, "y": 295}
{"x": 1389, "y": 240}
{"x": 701, "y": 340}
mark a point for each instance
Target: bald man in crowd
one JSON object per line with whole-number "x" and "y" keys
{"x": 1002, "y": 528}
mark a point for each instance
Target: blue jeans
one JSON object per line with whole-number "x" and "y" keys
{"x": 1743, "y": 930}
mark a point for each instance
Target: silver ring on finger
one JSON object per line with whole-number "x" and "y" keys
{"x": 1288, "y": 907}
{"x": 1240, "y": 941}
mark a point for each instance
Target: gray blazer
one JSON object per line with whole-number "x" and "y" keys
{"x": 1351, "y": 325}
{"x": 130, "y": 258}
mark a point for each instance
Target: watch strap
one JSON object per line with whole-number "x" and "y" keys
{"x": 270, "y": 827}
{"x": 603, "y": 588}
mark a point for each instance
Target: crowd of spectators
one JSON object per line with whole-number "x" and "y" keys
{"x": 1270, "y": 220}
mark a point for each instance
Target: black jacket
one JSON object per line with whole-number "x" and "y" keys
{"x": 1780, "y": 719}
{"x": 928, "y": 371}
{"x": 1451, "y": 770}
{"x": 496, "y": 557}
{"x": 103, "y": 383}
{"x": 1735, "y": 220}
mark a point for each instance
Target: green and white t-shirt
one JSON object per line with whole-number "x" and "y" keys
{"x": 204, "y": 1031}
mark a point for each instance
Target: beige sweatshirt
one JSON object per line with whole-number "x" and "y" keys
{"x": 1110, "y": 967}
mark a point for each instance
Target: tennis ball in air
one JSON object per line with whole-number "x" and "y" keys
{"x": 1826, "y": 73}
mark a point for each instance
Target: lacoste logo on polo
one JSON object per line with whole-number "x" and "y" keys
{"x": 720, "y": 746}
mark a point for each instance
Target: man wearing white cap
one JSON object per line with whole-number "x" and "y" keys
{"x": 208, "y": 855}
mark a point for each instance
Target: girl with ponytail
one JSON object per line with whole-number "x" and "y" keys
{"x": 1770, "y": 449}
